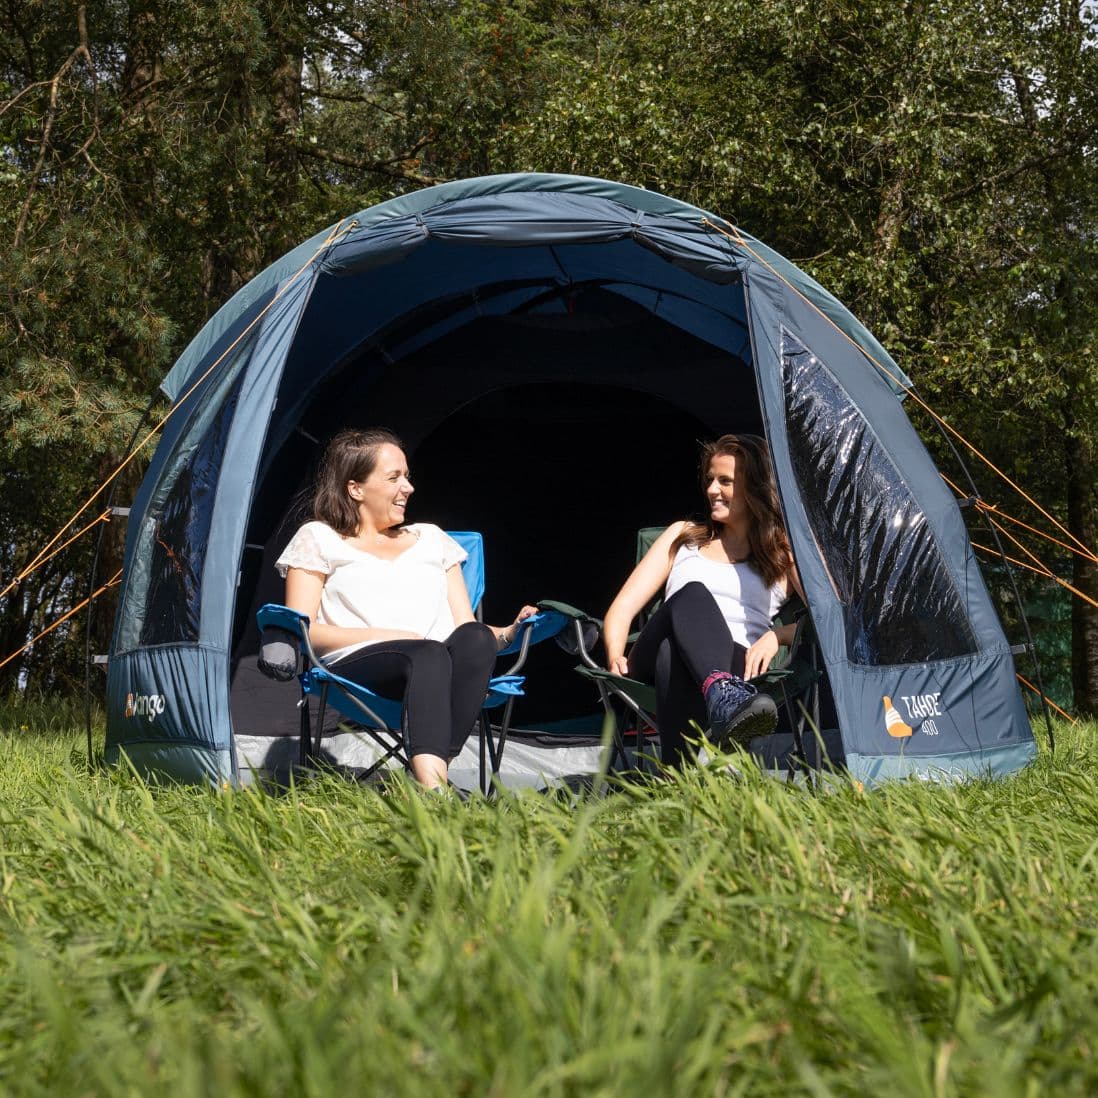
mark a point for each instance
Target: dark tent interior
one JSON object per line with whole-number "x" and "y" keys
{"x": 557, "y": 427}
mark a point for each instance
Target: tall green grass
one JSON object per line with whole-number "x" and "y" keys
{"x": 704, "y": 936}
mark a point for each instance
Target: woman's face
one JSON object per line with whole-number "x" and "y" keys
{"x": 726, "y": 503}
{"x": 383, "y": 496}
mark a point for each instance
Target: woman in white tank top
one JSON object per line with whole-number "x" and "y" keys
{"x": 723, "y": 582}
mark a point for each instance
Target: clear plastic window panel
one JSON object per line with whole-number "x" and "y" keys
{"x": 181, "y": 535}
{"x": 900, "y": 602}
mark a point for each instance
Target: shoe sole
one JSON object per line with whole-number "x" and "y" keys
{"x": 760, "y": 721}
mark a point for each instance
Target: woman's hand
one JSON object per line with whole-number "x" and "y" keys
{"x": 643, "y": 582}
{"x": 507, "y": 636}
{"x": 524, "y": 613}
{"x": 760, "y": 654}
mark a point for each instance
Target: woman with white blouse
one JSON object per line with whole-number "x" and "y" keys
{"x": 387, "y": 601}
{"x": 723, "y": 581}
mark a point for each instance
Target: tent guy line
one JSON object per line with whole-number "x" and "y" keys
{"x": 993, "y": 508}
{"x": 941, "y": 421}
{"x": 37, "y": 563}
{"x": 42, "y": 556}
{"x": 112, "y": 582}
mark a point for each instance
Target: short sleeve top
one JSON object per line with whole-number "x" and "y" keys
{"x": 746, "y": 603}
{"x": 365, "y": 591}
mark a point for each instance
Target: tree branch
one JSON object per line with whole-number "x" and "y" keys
{"x": 341, "y": 97}
{"x": 80, "y": 52}
{"x": 1009, "y": 173}
{"x": 394, "y": 167}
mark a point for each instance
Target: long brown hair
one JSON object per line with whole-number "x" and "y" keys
{"x": 351, "y": 455}
{"x": 770, "y": 551}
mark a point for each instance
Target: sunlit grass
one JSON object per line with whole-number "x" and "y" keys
{"x": 704, "y": 936}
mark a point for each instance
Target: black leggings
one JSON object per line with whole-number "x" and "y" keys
{"x": 443, "y": 683}
{"x": 684, "y": 641}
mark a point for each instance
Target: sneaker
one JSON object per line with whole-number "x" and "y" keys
{"x": 737, "y": 711}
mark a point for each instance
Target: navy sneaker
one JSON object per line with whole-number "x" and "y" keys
{"x": 737, "y": 711}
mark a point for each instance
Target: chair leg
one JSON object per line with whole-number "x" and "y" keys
{"x": 320, "y": 721}
{"x": 609, "y": 738}
{"x": 389, "y": 751}
{"x": 797, "y": 758}
{"x": 491, "y": 751}
{"x": 305, "y": 733}
{"x": 504, "y": 732}
{"x": 613, "y": 733}
{"x": 484, "y": 732}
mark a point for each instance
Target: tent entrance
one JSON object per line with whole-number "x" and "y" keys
{"x": 557, "y": 430}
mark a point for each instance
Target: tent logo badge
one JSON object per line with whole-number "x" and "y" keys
{"x": 149, "y": 706}
{"x": 920, "y": 707}
{"x": 894, "y": 723}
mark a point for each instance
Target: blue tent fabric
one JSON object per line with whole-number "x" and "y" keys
{"x": 873, "y": 528}
{"x": 416, "y": 211}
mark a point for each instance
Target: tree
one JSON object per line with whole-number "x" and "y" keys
{"x": 156, "y": 156}
{"x": 930, "y": 163}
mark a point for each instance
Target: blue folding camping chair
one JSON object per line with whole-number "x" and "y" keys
{"x": 286, "y": 651}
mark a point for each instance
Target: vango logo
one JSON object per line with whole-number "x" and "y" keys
{"x": 149, "y": 706}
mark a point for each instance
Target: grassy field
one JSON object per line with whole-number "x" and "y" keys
{"x": 707, "y": 937}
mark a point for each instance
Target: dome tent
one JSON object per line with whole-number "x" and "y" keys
{"x": 568, "y": 291}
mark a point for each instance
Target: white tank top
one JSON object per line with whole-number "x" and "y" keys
{"x": 746, "y": 603}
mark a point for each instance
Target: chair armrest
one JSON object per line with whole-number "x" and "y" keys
{"x": 641, "y": 694}
{"x": 273, "y": 614}
{"x": 282, "y": 632}
{"x": 538, "y": 627}
{"x": 581, "y": 633}
{"x": 568, "y": 611}
{"x": 792, "y": 671}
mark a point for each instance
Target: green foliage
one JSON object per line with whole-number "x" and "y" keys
{"x": 931, "y": 163}
{"x": 703, "y": 936}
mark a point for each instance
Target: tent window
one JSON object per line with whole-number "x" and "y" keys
{"x": 163, "y": 600}
{"x": 900, "y": 602}
{"x": 181, "y": 537}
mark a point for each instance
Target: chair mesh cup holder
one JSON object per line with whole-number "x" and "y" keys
{"x": 279, "y": 654}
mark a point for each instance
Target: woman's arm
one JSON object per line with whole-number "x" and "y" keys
{"x": 303, "y": 588}
{"x": 644, "y": 581}
{"x": 762, "y": 652}
{"x": 457, "y": 594}
{"x": 795, "y": 583}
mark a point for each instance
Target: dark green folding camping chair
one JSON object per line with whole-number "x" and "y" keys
{"x": 629, "y": 706}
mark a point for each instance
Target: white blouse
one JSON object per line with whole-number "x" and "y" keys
{"x": 746, "y": 603}
{"x": 365, "y": 591}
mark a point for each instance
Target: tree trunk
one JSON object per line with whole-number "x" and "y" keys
{"x": 1082, "y": 474}
{"x": 281, "y": 159}
{"x": 142, "y": 71}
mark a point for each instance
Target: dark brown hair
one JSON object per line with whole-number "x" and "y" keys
{"x": 351, "y": 455}
{"x": 770, "y": 552}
